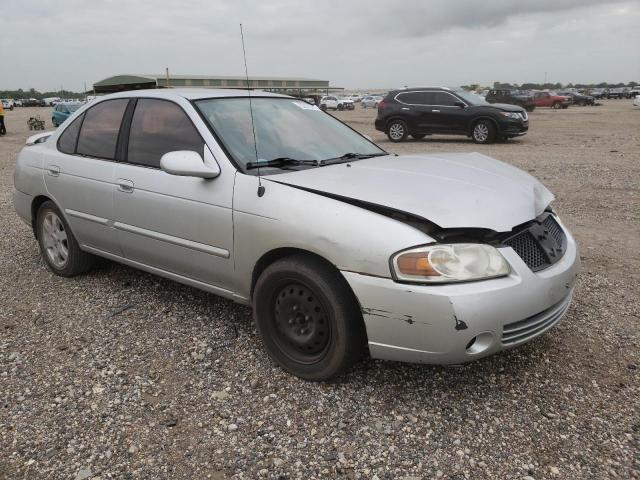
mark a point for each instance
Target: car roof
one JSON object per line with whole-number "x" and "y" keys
{"x": 191, "y": 93}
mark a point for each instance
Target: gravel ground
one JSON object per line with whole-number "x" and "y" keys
{"x": 120, "y": 374}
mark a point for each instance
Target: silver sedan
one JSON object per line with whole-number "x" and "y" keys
{"x": 342, "y": 249}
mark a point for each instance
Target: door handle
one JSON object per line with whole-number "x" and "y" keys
{"x": 53, "y": 170}
{"x": 405, "y": 108}
{"x": 125, "y": 185}
{"x": 435, "y": 111}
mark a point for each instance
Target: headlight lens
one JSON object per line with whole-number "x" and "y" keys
{"x": 442, "y": 263}
{"x": 511, "y": 115}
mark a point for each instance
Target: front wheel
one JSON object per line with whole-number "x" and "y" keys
{"x": 484, "y": 131}
{"x": 397, "y": 130}
{"x": 557, "y": 106}
{"x": 340, "y": 107}
{"x": 308, "y": 318}
{"x": 58, "y": 245}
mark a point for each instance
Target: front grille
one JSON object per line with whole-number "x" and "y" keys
{"x": 540, "y": 244}
{"x": 524, "y": 330}
{"x": 528, "y": 250}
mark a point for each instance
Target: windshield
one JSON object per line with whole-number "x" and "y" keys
{"x": 72, "y": 107}
{"x": 284, "y": 128}
{"x": 471, "y": 98}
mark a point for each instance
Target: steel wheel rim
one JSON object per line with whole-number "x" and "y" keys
{"x": 480, "y": 132}
{"x": 55, "y": 240}
{"x": 301, "y": 326}
{"x": 396, "y": 131}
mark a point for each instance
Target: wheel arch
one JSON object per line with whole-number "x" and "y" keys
{"x": 276, "y": 254}
{"x": 475, "y": 120}
{"x": 36, "y": 203}
{"x": 395, "y": 117}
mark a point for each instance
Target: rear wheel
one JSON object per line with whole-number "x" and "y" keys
{"x": 484, "y": 131}
{"x": 58, "y": 245}
{"x": 397, "y": 130}
{"x": 308, "y": 318}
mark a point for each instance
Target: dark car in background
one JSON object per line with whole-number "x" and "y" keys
{"x": 423, "y": 111}
{"x": 512, "y": 97}
{"x": 579, "y": 98}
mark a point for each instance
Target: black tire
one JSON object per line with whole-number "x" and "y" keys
{"x": 323, "y": 107}
{"x": 557, "y": 105}
{"x": 340, "y": 107}
{"x": 418, "y": 136}
{"x": 483, "y": 131}
{"x": 76, "y": 261}
{"x": 397, "y": 130}
{"x": 308, "y": 318}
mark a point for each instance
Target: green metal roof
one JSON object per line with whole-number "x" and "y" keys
{"x": 138, "y": 81}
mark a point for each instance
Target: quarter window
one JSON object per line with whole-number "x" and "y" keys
{"x": 99, "y": 133}
{"x": 158, "y": 127}
{"x": 67, "y": 141}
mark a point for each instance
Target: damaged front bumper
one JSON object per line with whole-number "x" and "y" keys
{"x": 456, "y": 323}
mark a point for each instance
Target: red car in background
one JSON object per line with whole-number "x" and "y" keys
{"x": 551, "y": 100}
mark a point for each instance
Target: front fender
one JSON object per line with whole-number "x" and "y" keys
{"x": 350, "y": 237}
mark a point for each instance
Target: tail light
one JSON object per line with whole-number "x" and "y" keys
{"x": 381, "y": 105}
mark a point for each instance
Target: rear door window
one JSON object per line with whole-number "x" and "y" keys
{"x": 416, "y": 98}
{"x": 99, "y": 134}
{"x": 68, "y": 139}
{"x": 159, "y": 127}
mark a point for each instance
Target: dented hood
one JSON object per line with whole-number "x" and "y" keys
{"x": 452, "y": 190}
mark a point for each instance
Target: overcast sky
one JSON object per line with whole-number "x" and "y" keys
{"x": 46, "y": 44}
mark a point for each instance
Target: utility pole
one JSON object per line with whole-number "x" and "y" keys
{"x": 167, "y": 71}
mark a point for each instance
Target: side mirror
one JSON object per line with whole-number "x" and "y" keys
{"x": 187, "y": 163}
{"x": 459, "y": 104}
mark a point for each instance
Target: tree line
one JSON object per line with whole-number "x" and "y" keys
{"x": 21, "y": 94}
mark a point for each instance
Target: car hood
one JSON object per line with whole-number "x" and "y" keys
{"x": 507, "y": 107}
{"x": 452, "y": 190}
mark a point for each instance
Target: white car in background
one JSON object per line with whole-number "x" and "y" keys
{"x": 331, "y": 102}
{"x": 636, "y": 101}
{"x": 347, "y": 103}
{"x": 370, "y": 101}
{"x": 7, "y": 104}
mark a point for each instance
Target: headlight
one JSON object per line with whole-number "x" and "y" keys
{"x": 511, "y": 115}
{"x": 441, "y": 263}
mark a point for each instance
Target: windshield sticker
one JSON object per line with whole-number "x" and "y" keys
{"x": 305, "y": 105}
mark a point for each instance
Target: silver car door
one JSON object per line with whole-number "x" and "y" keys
{"x": 182, "y": 225}
{"x": 79, "y": 174}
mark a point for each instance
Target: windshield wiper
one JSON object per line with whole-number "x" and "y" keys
{"x": 281, "y": 162}
{"x": 350, "y": 156}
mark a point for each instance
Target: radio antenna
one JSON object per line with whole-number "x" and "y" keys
{"x": 253, "y": 127}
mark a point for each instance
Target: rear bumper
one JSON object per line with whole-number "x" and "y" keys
{"x": 457, "y": 323}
